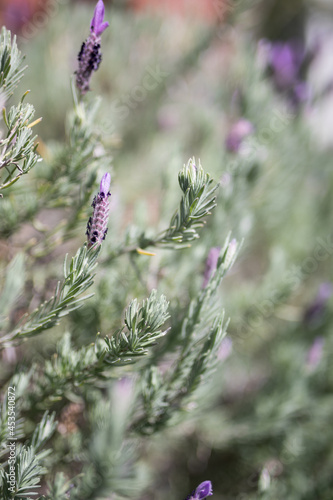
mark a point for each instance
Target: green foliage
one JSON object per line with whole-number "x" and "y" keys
{"x": 78, "y": 279}
{"x": 110, "y": 464}
{"x": 196, "y": 203}
{"x": 27, "y": 463}
{"x": 143, "y": 325}
{"x": 11, "y": 68}
{"x": 198, "y": 341}
{"x": 70, "y": 367}
{"x": 13, "y": 285}
{"x": 75, "y": 163}
{"x": 17, "y": 149}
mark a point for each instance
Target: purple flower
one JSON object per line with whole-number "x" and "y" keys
{"x": 239, "y": 130}
{"x": 315, "y": 310}
{"x": 204, "y": 490}
{"x": 211, "y": 264}
{"x": 90, "y": 54}
{"x": 301, "y": 92}
{"x": 286, "y": 61}
{"x": 97, "y": 25}
{"x": 315, "y": 353}
{"x": 97, "y": 224}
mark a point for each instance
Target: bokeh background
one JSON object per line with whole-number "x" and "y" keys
{"x": 247, "y": 87}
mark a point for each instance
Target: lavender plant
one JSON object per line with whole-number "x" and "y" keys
{"x": 148, "y": 400}
{"x": 117, "y": 381}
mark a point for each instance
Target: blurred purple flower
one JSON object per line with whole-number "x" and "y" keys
{"x": 211, "y": 263}
{"x": 316, "y": 309}
{"x": 16, "y": 14}
{"x": 239, "y": 130}
{"x": 90, "y": 54}
{"x": 225, "y": 349}
{"x": 315, "y": 353}
{"x": 204, "y": 490}
{"x": 301, "y": 92}
{"x": 285, "y": 61}
{"x": 123, "y": 395}
{"x": 97, "y": 224}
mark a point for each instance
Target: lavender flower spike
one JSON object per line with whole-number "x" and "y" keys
{"x": 204, "y": 490}
{"x": 90, "y": 54}
{"x": 97, "y": 224}
{"x": 97, "y": 24}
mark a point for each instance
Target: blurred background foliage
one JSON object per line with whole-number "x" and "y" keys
{"x": 175, "y": 79}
